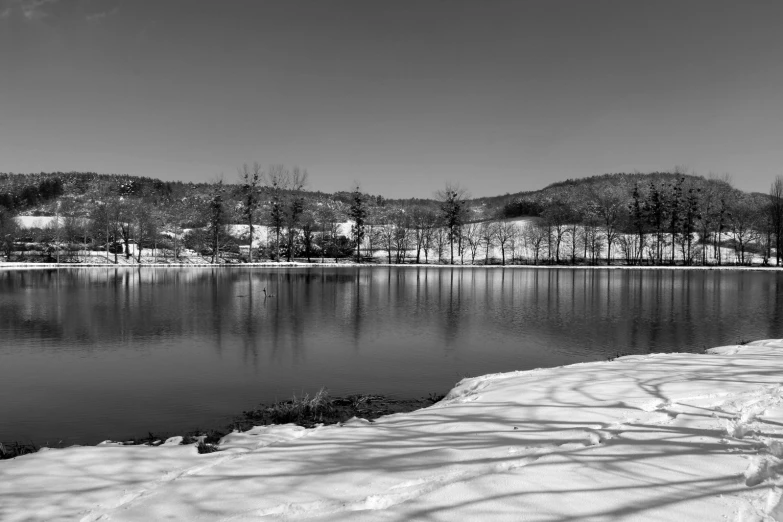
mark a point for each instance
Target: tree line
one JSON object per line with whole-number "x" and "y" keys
{"x": 653, "y": 219}
{"x": 660, "y": 219}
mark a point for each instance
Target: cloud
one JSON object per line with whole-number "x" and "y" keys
{"x": 35, "y": 9}
{"x": 100, "y": 16}
{"x": 29, "y": 9}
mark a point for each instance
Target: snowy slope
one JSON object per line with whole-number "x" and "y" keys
{"x": 658, "y": 437}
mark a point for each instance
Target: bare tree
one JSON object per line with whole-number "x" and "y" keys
{"x": 373, "y": 231}
{"x": 123, "y": 219}
{"x": 743, "y": 225}
{"x": 386, "y": 232}
{"x": 576, "y": 218}
{"x": 72, "y": 223}
{"x": 115, "y": 230}
{"x": 591, "y": 235}
{"x": 489, "y": 234}
{"x": 174, "y": 231}
{"x": 401, "y": 235}
{"x": 440, "y": 238}
{"x": 506, "y": 232}
{"x": 326, "y": 218}
{"x": 535, "y": 234}
{"x": 557, "y": 216}
{"x": 429, "y": 240}
{"x": 294, "y": 206}
{"x": 146, "y": 226}
{"x": 472, "y": 233}
{"x": 277, "y": 180}
{"x": 422, "y": 221}
{"x": 609, "y": 207}
{"x": 101, "y": 225}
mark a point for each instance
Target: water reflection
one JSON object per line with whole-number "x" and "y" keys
{"x": 94, "y": 353}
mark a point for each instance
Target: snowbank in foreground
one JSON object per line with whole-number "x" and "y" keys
{"x": 658, "y": 437}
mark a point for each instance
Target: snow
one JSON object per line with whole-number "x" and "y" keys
{"x": 644, "y": 437}
{"x": 27, "y": 222}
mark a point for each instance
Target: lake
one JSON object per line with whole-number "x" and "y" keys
{"x": 88, "y": 354}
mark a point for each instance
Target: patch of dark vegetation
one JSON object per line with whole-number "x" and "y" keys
{"x": 306, "y": 411}
{"x": 618, "y": 355}
{"x": 150, "y": 440}
{"x": 16, "y": 449}
{"x": 206, "y": 447}
{"x": 204, "y": 443}
{"x": 310, "y": 411}
{"x": 206, "y": 440}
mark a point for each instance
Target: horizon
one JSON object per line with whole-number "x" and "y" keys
{"x": 432, "y": 197}
{"x": 403, "y": 98}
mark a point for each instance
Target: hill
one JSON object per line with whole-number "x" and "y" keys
{"x": 664, "y": 211}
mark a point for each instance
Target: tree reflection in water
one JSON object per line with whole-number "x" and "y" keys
{"x": 94, "y": 353}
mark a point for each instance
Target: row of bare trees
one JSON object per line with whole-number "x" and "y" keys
{"x": 662, "y": 223}
{"x": 664, "y": 220}
{"x": 676, "y": 221}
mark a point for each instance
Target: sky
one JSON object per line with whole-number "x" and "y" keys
{"x": 400, "y": 96}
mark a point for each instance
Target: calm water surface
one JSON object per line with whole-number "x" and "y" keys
{"x": 94, "y": 354}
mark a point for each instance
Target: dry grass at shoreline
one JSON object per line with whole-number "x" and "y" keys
{"x": 16, "y": 449}
{"x": 307, "y": 411}
{"x": 304, "y": 410}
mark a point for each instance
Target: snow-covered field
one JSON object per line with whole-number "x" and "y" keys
{"x": 657, "y": 437}
{"x": 518, "y": 249}
{"x": 27, "y": 222}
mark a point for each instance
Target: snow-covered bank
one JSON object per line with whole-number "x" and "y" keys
{"x": 657, "y": 437}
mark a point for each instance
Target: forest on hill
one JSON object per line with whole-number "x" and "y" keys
{"x": 269, "y": 214}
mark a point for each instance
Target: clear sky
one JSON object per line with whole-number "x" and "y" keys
{"x": 402, "y": 96}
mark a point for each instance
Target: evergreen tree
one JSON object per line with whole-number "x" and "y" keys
{"x": 691, "y": 214}
{"x": 358, "y": 213}
{"x": 638, "y": 218}
{"x": 452, "y": 209}
{"x": 277, "y": 180}
{"x": 216, "y": 218}
{"x": 8, "y": 231}
{"x": 776, "y": 215}
{"x": 251, "y": 178}
{"x": 674, "y": 208}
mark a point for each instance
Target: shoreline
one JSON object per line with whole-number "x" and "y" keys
{"x": 306, "y": 412}
{"x": 666, "y": 436}
{"x": 294, "y": 264}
